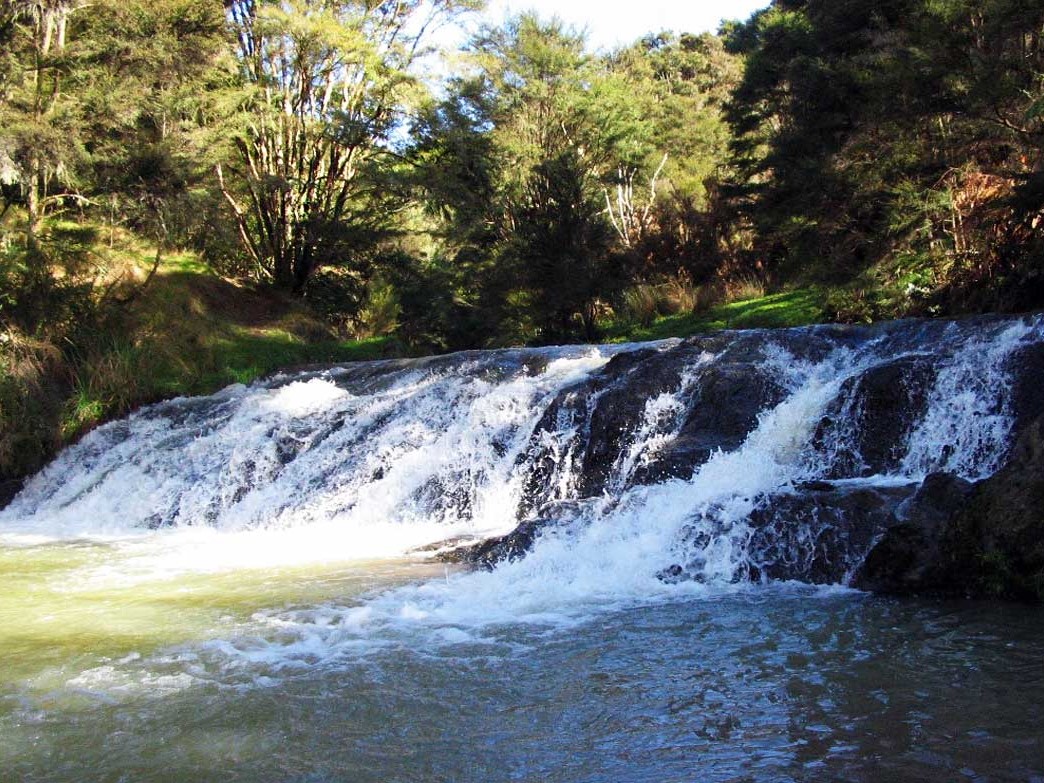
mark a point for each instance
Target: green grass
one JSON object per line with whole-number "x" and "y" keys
{"x": 244, "y": 357}
{"x": 791, "y": 308}
{"x": 176, "y": 329}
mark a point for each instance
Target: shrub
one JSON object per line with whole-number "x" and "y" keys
{"x": 33, "y": 380}
{"x": 640, "y": 304}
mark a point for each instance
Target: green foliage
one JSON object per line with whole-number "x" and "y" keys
{"x": 324, "y": 85}
{"x": 380, "y": 315}
{"x": 867, "y": 135}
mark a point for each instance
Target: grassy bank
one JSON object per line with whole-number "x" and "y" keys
{"x": 137, "y": 332}
{"x": 791, "y": 308}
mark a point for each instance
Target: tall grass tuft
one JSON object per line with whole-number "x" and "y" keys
{"x": 707, "y": 296}
{"x": 640, "y": 304}
{"x": 679, "y": 295}
{"x": 745, "y": 287}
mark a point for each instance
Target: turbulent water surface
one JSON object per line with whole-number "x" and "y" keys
{"x": 248, "y": 586}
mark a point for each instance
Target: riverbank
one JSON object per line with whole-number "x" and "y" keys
{"x": 149, "y": 326}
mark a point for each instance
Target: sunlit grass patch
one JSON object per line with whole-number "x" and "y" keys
{"x": 790, "y": 308}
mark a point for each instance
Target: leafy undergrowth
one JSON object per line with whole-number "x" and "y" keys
{"x": 193, "y": 332}
{"x": 791, "y": 308}
{"x": 210, "y": 332}
{"x": 180, "y": 331}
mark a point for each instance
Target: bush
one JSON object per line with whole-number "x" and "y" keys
{"x": 34, "y": 377}
{"x": 745, "y": 287}
{"x": 380, "y": 315}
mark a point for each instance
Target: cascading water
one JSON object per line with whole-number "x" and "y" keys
{"x": 636, "y": 457}
{"x": 577, "y": 482}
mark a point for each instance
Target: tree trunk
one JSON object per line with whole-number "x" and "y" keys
{"x": 34, "y": 208}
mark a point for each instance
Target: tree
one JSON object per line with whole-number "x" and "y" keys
{"x": 680, "y": 85}
{"x": 894, "y": 139}
{"x": 560, "y": 125}
{"x": 103, "y": 99}
{"x": 33, "y": 112}
{"x": 325, "y": 85}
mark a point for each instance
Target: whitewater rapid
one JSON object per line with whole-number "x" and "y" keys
{"x": 367, "y": 462}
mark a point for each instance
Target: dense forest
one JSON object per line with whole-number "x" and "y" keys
{"x": 195, "y": 192}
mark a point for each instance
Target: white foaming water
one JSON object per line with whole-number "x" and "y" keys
{"x": 969, "y": 414}
{"x": 427, "y": 457}
{"x": 330, "y": 467}
{"x": 608, "y": 558}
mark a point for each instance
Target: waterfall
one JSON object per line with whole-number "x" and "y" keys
{"x": 592, "y": 472}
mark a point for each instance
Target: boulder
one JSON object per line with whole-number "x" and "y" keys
{"x": 982, "y": 540}
{"x": 864, "y": 430}
{"x": 722, "y": 411}
{"x": 816, "y": 533}
{"x": 914, "y": 555}
{"x": 599, "y": 413}
{"x": 1027, "y": 371}
{"x": 516, "y": 544}
{"x": 821, "y": 535}
{"x": 999, "y": 535}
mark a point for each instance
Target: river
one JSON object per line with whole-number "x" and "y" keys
{"x": 249, "y": 586}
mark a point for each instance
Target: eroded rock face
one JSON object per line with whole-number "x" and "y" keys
{"x": 981, "y": 540}
{"x": 1027, "y": 370}
{"x": 818, "y": 536}
{"x": 864, "y": 430}
{"x": 915, "y": 555}
{"x": 944, "y": 536}
{"x": 816, "y": 533}
{"x": 724, "y": 408}
{"x": 718, "y": 406}
{"x": 1000, "y": 533}
{"x": 564, "y": 443}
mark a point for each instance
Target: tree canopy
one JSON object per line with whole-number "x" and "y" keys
{"x": 535, "y": 189}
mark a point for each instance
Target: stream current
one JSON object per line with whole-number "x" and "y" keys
{"x": 242, "y": 587}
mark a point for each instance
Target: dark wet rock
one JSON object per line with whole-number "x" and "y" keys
{"x": 821, "y": 536}
{"x": 722, "y": 412}
{"x": 720, "y": 407}
{"x": 1027, "y": 393}
{"x": 516, "y": 544}
{"x": 672, "y": 574}
{"x": 620, "y": 409}
{"x": 454, "y": 495}
{"x": 8, "y": 490}
{"x": 998, "y": 536}
{"x": 599, "y": 413}
{"x": 817, "y": 536}
{"x": 982, "y": 540}
{"x": 865, "y": 429}
{"x": 816, "y": 485}
{"x": 450, "y": 550}
{"x": 549, "y": 454}
{"x": 915, "y": 556}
